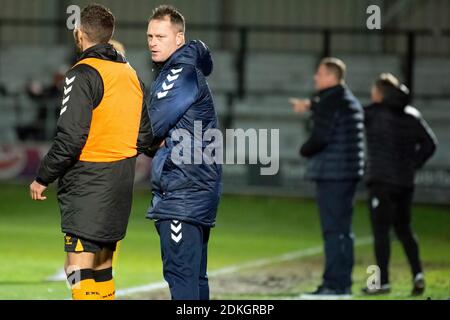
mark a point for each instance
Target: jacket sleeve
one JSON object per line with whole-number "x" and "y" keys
{"x": 369, "y": 113}
{"x": 172, "y": 99}
{"x": 83, "y": 91}
{"x": 323, "y": 120}
{"x": 145, "y": 137}
{"x": 427, "y": 144}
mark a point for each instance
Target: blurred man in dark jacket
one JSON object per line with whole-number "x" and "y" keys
{"x": 399, "y": 142}
{"x": 335, "y": 153}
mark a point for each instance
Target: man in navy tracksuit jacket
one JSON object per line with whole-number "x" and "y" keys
{"x": 185, "y": 195}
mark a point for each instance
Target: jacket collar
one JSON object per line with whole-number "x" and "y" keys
{"x": 331, "y": 89}
{"x": 103, "y": 51}
{"x": 194, "y": 53}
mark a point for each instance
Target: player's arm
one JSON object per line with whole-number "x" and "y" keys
{"x": 145, "y": 137}
{"x": 427, "y": 144}
{"x": 83, "y": 90}
{"x": 369, "y": 113}
{"x": 172, "y": 99}
{"x": 323, "y": 118}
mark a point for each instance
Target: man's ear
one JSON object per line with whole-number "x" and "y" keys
{"x": 80, "y": 35}
{"x": 180, "y": 39}
{"x": 75, "y": 33}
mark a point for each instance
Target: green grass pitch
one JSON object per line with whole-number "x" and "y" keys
{"x": 248, "y": 228}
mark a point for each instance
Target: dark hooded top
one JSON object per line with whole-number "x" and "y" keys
{"x": 399, "y": 141}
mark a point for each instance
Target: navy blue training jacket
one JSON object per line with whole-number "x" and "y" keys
{"x": 179, "y": 96}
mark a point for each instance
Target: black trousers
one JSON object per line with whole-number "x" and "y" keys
{"x": 184, "y": 253}
{"x": 335, "y": 201}
{"x": 390, "y": 206}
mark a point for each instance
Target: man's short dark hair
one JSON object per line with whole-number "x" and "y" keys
{"x": 176, "y": 18}
{"x": 97, "y": 22}
{"x": 392, "y": 89}
{"x": 335, "y": 66}
{"x": 386, "y": 82}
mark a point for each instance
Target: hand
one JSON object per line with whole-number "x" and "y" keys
{"x": 300, "y": 105}
{"x": 36, "y": 191}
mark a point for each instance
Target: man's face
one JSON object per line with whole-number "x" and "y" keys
{"x": 324, "y": 79}
{"x": 76, "y": 37}
{"x": 163, "y": 39}
{"x": 376, "y": 95}
{"x": 79, "y": 37}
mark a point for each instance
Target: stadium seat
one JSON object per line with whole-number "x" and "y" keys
{"x": 432, "y": 76}
{"x": 140, "y": 60}
{"x": 280, "y": 72}
{"x": 362, "y": 70}
{"x": 7, "y": 120}
{"x": 21, "y": 63}
{"x": 223, "y": 78}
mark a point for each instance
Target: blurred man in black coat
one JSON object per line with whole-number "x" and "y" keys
{"x": 399, "y": 142}
{"x": 335, "y": 152}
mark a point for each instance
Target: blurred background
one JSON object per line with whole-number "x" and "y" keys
{"x": 264, "y": 52}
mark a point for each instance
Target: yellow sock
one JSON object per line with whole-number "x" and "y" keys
{"x": 106, "y": 289}
{"x": 105, "y": 283}
{"x": 85, "y": 290}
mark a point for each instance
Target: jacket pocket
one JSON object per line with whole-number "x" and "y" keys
{"x": 158, "y": 164}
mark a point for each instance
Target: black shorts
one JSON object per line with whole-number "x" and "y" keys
{"x": 72, "y": 243}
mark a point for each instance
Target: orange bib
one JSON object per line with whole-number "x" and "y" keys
{"x": 116, "y": 120}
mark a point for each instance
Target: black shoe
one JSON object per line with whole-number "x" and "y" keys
{"x": 323, "y": 292}
{"x": 418, "y": 285}
{"x": 383, "y": 289}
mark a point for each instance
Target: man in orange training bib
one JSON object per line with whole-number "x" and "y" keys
{"x": 103, "y": 125}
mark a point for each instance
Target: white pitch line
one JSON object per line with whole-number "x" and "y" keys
{"x": 247, "y": 265}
